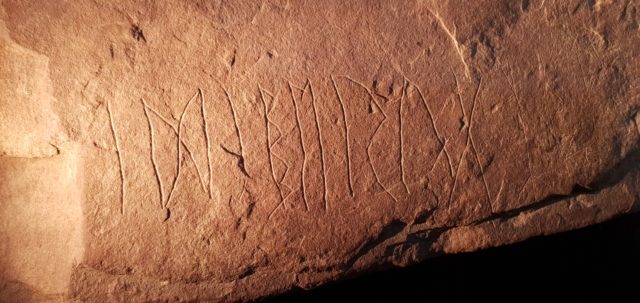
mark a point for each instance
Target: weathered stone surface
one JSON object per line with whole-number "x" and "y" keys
{"x": 227, "y": 151}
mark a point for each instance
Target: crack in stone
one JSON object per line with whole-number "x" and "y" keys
{"x": 606, "y": 180}
{"x": 398, "y": 233}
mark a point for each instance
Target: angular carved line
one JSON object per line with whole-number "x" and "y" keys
{"x": 464, "y": 151}
{"x": 207, "y": 140}
{"x": 468, "y": 142}
{"x": 153, "y": 157}
{"x": 281, "y": 135}
{"x": 284, "y": 175}
{"x": 400, "y": 132}
{"x": 304, "y": 151}
{"x": 274, "y": 211}
{"x": 161, "y": 117}
{"x": 195, "y": 164}
{"x": 375, "y": 132}
{"x": 121, "y": 166}
{"x": 499, "y": 191}
{"x": 522, "y": 126}
{"x": 440, "y": 152}
{"x": 205, "y": 133}
{"x": 288, "y": 133}
{"x": 442, "y": 141}
{"x": 444, "y": 148}
{"x": 239, "y": 157}
{"x": 346, "y": 135}
{"x": 179, "y": 153}
{"x": 324, "y": 174}
{"x": 241, "y": 163}
{"x": 455, "y": 178}
{"x": 375, "y": 173}
{"x": 473, "y": 145}
{"x": 286, "y": 167}
{"x": 268, "y": 140}
{"x": 183, "y": 144}
{"x": 518, "y": 106}
{"x": 283, "y": 203}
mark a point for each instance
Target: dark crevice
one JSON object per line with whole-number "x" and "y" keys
{"x": 248, "y": 272}
{"x": 388, "y": 232}
{"x": 421, "y": 241}
{"x": 550, "y": 200}
{"x": 167, "y": 214}
{"x": 421, "y": 244}
{"x": 424, "y": 216}
{"x": 233, "y": 58}
{"x": 593, "y": 264}
{"x": 240, "y": 161}
{"x": 137, "y": 33}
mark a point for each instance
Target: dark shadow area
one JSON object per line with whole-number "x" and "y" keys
{"x": 598, "y": 263}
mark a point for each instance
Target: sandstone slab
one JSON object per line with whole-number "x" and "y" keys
{"x": 229, "y": 151}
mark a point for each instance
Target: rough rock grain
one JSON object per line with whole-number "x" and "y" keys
{"x": 229, "y": 151}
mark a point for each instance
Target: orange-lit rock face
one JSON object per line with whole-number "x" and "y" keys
{"x": 230, "y": 151}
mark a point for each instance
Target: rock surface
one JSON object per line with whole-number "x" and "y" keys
{"x": 228, "y": 151}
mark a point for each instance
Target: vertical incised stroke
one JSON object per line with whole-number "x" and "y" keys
{"x": 304, "y": 151}
{"x": 267, "y": 122}
{"x": 400, "y": 131}
{"x": 121, "y": 166}
{"x": 153, "y": 156}
{"x": 373, "y": 136}
{"x": 346, "y": 135}
{"x": 241, "y": 158}
{"x": 322, "y": 160}
{"x": 207, "y": 140}
{"x": 179, "y": 152}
